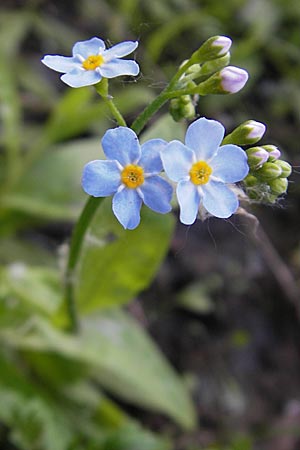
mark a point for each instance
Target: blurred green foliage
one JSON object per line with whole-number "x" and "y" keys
{"x": 53, "y": 386}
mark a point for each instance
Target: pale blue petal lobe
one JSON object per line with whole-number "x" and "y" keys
{"x": 150, "y": 159}
{"x": 117, "y": 67}
{"x": 120, "y": 50}
{"x": 93, "y": 46}
{"x": 219, "y": 200}
{"x": 126, "y": 207}
{"x": 189, "y": 200}
{"x": 61, "y": 64}
{"x": 204, "y": 137}
{"x": 230, "y": 164}
{"x": 101, "y": 178}
{"x": 157, "y": 194}
{"x": 177, "y": 160}
{"x": 79, "y": 78}
{"x": 121, "y": 144}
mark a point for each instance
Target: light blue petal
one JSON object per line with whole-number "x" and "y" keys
{"x": 79, "y": 78}
{"x": 101, "y": 178}
{"x": 219, "y": 200}
{"x": 61, "y": 63}
{"x": 157, "y": 194}
{"x": 120, "y": 50}
{"x": 204, "y": 137}
{"x": 126, "y": 207}
{"x": 189, "y": 200}
{"x": 177, "y": 160}
{"x": 230, "y": 164}
{"x": 117, "y": 67}
{"x": 121, "y": 144}
{"x": 150, "y": 159}
{"x": 93, "y": 46}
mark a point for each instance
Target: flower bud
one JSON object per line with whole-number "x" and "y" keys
{"x": 247, "y": 133}
{"x": 227, "y": 81}
{"x": 274, "y": 152}
{"x": 278, "y": 186}
{"x": 233, "y": 79}
{"x": 269, "y": 171}
{"x": 286, "y": 168}
{"x": 250, "y": 181}
{"x": 214, "y": 47}
{"x": 210, "y": 67}
{"x": 257, "y": 156}
{"x": 182, "y": 108}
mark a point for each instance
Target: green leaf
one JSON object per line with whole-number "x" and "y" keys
{"x": 26, "y": 292}
{"x": 51, "y": 189}
{"x": 115, "y": 263}
{"x": 121, "y": 357}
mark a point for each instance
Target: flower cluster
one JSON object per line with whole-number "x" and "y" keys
{"x": 202, "y": 167}
{"x": 268, "y": 174}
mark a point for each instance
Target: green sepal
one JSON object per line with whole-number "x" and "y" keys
{"x": 269, "y": 171}
{"x": 286, "y": 168}
{"x": 278, "y": 186}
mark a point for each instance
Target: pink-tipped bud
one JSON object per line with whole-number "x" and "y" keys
{"x": 214, "y": 47}
{"x": 257, "y": 156}
{"x": 224, "y": 44}
{"x": 233, "y": 79}
{"x": 274, "y": 152}
{"x": 256, "y": 130}
{"x": 248, "y": 133}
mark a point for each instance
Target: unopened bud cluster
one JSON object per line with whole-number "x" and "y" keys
{"x": 182, "y": 108}
{"x": 207, "y": 72}
{"x": 268, "y": 175}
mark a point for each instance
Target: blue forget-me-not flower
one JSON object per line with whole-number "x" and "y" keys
{"x": 203, "y": 169}
{"x": 91, "y": 62}
{"x": 130, "y": 174}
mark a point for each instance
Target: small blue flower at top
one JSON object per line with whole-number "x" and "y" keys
{"x": 130, "y": 174}
{"x": 91, "y": 62}
{"x": 203, "y": 169}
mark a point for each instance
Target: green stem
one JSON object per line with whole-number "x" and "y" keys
{"x": 149, "y": 111}
{"x": 75, "y": 249}
{"x": 163, "y": 97}
{"x": 114, "y": 111}
{"x": 102, "y": 90}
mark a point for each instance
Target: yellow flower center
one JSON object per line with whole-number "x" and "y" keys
{"x": 92, "y": 62}
{"x": 132, "y": 176}
{"x": 200, "y": 172}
